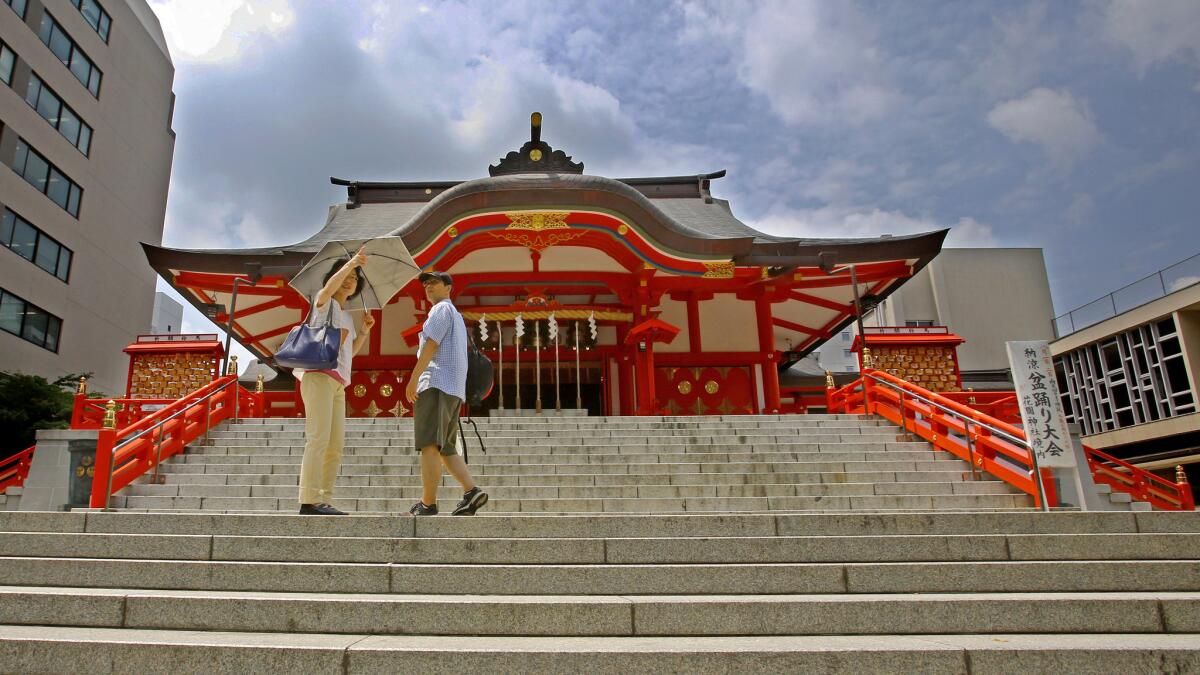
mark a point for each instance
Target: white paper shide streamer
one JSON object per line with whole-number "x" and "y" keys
{"x": 552, "y": 333}
{"x": 483, "y": 328}
{"x": 520, "y": 326}
{"x": 592, "y": 325}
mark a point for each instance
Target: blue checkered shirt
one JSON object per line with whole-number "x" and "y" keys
{"x": 448, "y": 369}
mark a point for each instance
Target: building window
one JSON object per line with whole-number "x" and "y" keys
{"x": 95, "y": 15}
{"x": 60, "y": 116}
{"x": 847, "y": 353}
{"x": 8, "y": 61}
{"x": 918, "y": 322}
{"x": 36, "y": 246}
{"x": 70, "y": 54}
{"x": 1133, "y": 377}
{"x": 18, "y": 6}
{"x": 28, "y": 321}
{"x": 845, "y": 336}
{"x": 851, "y": 369}
{"x": 44, "y": 176}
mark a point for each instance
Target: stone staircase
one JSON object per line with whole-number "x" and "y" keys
{"x": 953, "y": 592}
{"x": 591, "y": 465}
{"x": 701, "y": 545}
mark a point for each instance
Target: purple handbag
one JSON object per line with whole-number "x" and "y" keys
{"x": 311, "y": 347}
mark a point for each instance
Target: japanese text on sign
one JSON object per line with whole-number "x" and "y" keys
{"x": 1040, "y": 403}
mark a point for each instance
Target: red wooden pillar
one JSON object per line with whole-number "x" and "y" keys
{"x": 766, "y": 345}
{"x": 693, "y": 321}
{"x": 624, "y": 371}
{"x": 645, "y": 375}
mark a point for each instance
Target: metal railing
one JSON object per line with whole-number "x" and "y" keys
{"x": 985, "y": 443}
{"x": 994, "y": 445}
{"x": 14, "y": 469}
{"x": 122, "y": 455}
{"x": 1147, "y": 289}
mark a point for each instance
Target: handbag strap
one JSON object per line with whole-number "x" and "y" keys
{"x": 312, "y": 309}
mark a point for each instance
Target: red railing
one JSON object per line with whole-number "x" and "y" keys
{"x": 1143, "y": 485}
{"x": 990, "y": 444}
{"x": 1001, "y": 405}
{"x": 801, "y": 399}
{"x": 13, "y": 470}
{"x": 88, "y": 413}
{"x": 124, "y": 454}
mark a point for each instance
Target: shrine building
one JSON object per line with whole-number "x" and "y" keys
{"x": 693, "y": 311}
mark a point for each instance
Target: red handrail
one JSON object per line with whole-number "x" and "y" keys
{"x": 990, "y": 444}
{"x": 14, "y": 469}
{"x": 122, "y": 455}
{"x": 1143, "y": 485}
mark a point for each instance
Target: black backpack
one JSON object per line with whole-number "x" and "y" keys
{"x": 480, "y": 372}
{"x": 480, "y": 380}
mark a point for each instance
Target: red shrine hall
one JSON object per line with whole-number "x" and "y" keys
{"x": 632, "y": 296}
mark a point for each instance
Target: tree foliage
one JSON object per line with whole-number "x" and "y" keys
{"x": 29, "y": 403}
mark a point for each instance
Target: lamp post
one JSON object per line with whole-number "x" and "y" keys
{"x": 255, "y": 273}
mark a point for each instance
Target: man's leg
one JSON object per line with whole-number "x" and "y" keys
{"x": 431, "y": 474}
{"x": 459, "y": 469}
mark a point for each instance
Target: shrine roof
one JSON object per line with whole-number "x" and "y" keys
{"x": 678, "y": 210}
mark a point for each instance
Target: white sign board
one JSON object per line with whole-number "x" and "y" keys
{"x": 1041, "y": 406}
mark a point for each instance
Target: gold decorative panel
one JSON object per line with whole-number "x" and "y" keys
{"x": 719, "y": 270}
{"x": 685, "y": 387}
{"x": 538, "y": 220}
{"x": 711, "y": 387}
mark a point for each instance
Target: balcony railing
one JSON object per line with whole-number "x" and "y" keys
{"x": 1163, "y": 282}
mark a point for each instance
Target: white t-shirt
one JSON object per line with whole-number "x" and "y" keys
{"x": 341, "y": 319}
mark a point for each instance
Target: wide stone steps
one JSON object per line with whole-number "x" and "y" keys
{"x": 876, "y": 592}
{"x": 598, "y": 465}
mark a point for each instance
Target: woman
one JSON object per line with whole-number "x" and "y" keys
{"x": 324, "y": 391}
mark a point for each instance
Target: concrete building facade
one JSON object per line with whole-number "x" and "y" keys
{"x": 168, "y": 315}
{"x": 86, "y": 147}
{"x": 1131, "y": 382}
{"x": 987, "y": 296}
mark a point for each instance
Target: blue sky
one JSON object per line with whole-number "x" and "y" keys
{"x": 1070, "y": 126}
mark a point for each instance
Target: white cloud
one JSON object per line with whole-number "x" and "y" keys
{"x": 836, "y": 222}
{"x": 815, "y": 62}
{"x": 1055, "y": 120}
{"x": 217, "y": 30}
{"x": 1156, "y": 31}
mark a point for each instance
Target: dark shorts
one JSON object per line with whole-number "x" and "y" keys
{"x": 435, "y": 421}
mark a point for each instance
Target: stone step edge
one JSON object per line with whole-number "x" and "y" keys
{"x": 31, "y": 647}
{"x": 574, "y": 615}
{"x": 999, "y": 521}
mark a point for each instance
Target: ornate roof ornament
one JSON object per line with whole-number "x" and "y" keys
{"x": 536, "y": 156}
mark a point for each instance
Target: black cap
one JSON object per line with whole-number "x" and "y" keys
{"x": 440, "y": 276}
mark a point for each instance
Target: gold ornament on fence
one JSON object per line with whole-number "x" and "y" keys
{"x": 232, "y": 365}
{"x": 82, "y": 386}
{"x": 712, "y": 387}
{"x": 829, "y": 380}
{"x": 360, "y": 391}
{"x": 685, "y": 387}
{"x": 386, "y": 390}
{"x": 110, "y": 415}
{"x": 258, "y": 384}
{"x": 372, "y": 409}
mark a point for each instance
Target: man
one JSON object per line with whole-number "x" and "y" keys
{"x": 437, "y": 389}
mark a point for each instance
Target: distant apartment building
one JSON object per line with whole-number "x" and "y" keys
{"x": 988, "y": 296}
{"x": 1129, "y": 369}
{"x": 168, "y": 315}
{"x": 85, "y": 134}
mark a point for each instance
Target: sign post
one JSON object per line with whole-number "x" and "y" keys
{"x": 1041, "y": 412}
